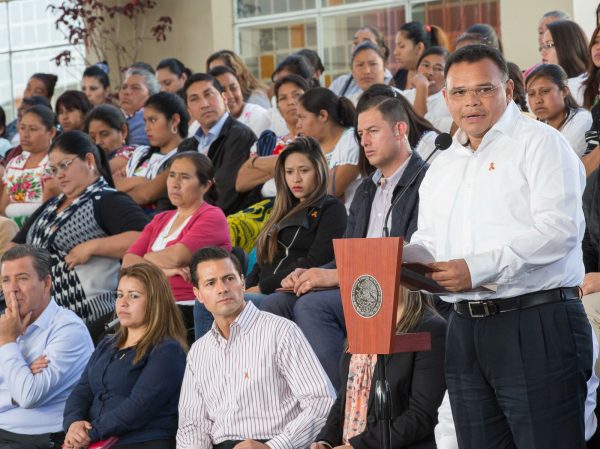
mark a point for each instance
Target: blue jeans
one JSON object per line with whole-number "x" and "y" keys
{"x": 320, "y": 315}
{"x": 203, "y": 319}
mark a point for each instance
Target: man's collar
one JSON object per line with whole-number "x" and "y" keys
{"x": 215, "y": 130}
{"x": 376, "y": 178}
{"x": 244, "y": 320}
{"x": 506, "y": 124}
{"x": 45, "y": 318}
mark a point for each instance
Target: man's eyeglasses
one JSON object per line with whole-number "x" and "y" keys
{"x": 62, "y": 166}
{"x": 481, "y": 92}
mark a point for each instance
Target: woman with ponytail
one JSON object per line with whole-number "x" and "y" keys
{"x": 412, "y": 40}
{"x": 330, "y": 120}
{"x": 86, "y": 229}
{"x": 172, "y": 237}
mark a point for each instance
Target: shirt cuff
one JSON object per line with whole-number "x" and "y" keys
{"x": 479, "y": 269}
{"x": 6, "y": 402}
{"x": 325, "y": 443}
{"x": 280, "y": 442}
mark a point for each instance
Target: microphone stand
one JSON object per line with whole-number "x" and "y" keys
{"x": 383, "y": 394}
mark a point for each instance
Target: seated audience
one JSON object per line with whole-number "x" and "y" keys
{"x": 27, "y": 180}
{"x": 412, "y": 40}
{"x": 71, "y": 108}
{"x": 252, "y": 115}
{"x": 138, "y": 86}
{"x": 368, "y": 68}
{"x": 276, "y": 394}
{"x": 95, "y": 84}
{"x": 565, "y": 44}
{"x": 171, "y": 238}
{"x": 551, "y": 101}
{"x": 427, "y": 97}
{"x": 221, "y": 137}
{"x": 330, "y": 119}
{"x": 107, "y": 127}
{"x": 383, "y": 129}
{"x": 416, "y": 382}
{"x": 171, "y": 73}
{"x": 304, "y": 220}
{"x": 86, "y": 229}
{"x": 254, "y": 90}
{"x": 39, "y": 85}
{"x": 129, "y": 389}
{"x": 34, "y": 332}
{"x": 166, "y": 119}
{"x": 345, "y": 85}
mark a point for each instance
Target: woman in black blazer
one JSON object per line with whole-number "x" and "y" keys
{"x": 416, "y": 382}
{"x": 304, "y": 220}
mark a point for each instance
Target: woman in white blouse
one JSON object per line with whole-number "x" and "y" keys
{"x": 551, "y": 101}
{"x": 330, "y": 120}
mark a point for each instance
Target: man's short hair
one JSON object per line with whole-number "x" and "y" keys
{"x": 42, "y": 261}
{"x": 558, "y": 15}
{"x": 392, "y": 110}
{"x": 476, "y": 53}
{"x": 211, "y": 253}
{"x": 199, "y": 77}
{"x": 150, "y": 80}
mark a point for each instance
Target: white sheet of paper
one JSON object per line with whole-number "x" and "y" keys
{"x": 414, "y": 253}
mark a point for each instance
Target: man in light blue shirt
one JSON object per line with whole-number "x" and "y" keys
{"x": 205, "y": 139}
{"x": 35, "y": 329}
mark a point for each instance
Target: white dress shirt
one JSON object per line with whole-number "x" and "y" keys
{"x": 62, "y": 337}
{"x": 512, "y": 209}
{"x": 255, "y": 117}
{"x": 263, "y": 383}
{"x": 577, "y": 124}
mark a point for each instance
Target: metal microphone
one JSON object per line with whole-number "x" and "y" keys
{"x": 442, "y": 142}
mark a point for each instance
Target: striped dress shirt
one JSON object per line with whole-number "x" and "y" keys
{"x": 262, "y": 383}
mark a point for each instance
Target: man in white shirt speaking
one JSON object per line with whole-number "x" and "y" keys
{"x": 503, "y": 206}
{"x": 253, "y": 381}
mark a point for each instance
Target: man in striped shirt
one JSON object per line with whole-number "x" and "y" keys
{"x": 253, "y": 381}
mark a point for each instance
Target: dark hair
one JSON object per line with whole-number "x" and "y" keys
{"x": 42, "y": 261}
{"x": 35, "y": 100}
{"x": 49, "y": 81}
{"x": 98, "y": 71}
{"x": 45, "y": 114}
{"x": 2, "y": 121}
{"x": 73, "y": 100}
{"x": 175, "y": 66}
{"x": 476, "y": 53}
{"x": 205, "y": 172}
{"x": 212, "y": 253}
{"x": 297, "y": 65}
{"x": 108, "y": 114}
{"x": 428, "y": 35}
{"x": 292, "y": 79}
{"x": 248, "y": 82}
{"x": 313, "y": 58}
{"x": 202, "y": 77}
{"x": 143, "y": 66}
{"x": 286, "y": 205}
{"x": 417, "y": 125}
{"x": 368, "y": 45}
{"x": 483, "y": 33}
{"x": 78, "y": 143}
{"x": 555, "y": 74}
{"x": 434, "y": 50}
{"x": 340, "y": 109}
{"x": 519, "y": 94}
{"x": 571, "y": 46}
{"x": 170, "y": 104}
{"x": 222, "y": 70}
{"x": 379, "y": 39}
{"x": 591, "y": 83}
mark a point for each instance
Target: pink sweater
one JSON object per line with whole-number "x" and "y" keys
{"x": 207, "y": 227}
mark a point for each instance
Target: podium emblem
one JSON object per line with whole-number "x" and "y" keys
{"x": 366, "y": 296}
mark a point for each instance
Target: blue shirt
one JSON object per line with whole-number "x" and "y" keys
{"x": 206, "y": 140}
{"x": 137, "y": 129}
{"x": 60, "y": 335}
{"x": 136, "y": 402}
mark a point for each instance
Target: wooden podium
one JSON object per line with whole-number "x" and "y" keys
{"x": 369, "y": 272}
{"x": 372, "y": 268}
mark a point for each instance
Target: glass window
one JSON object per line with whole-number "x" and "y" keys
{"x": 256, "y": 8}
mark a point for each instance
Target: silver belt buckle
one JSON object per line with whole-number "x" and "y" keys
{"x": 486, "y": 310}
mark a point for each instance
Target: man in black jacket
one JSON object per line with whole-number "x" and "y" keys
{"x": 221, "y": 137}
{"x": 383, "y": 129}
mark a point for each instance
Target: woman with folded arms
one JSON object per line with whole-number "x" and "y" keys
{"x": 129, "y": 390}
{"x": 172, "y": 237}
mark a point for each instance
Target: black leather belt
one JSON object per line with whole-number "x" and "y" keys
{"x": 490, "y": 307}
